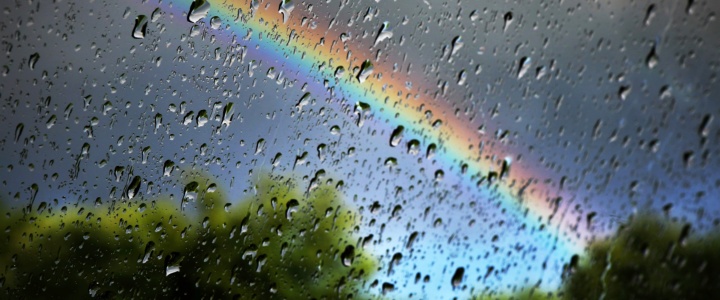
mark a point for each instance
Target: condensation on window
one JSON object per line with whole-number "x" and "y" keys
{"x": 278, "y": 149}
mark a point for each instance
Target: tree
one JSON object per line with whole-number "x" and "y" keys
{"x": 277, "y": 244}
{"x": 650, "y": 258}
{"x": 527, "y": 293}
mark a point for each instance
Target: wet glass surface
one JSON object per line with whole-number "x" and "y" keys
{"x": 364, "y": 149}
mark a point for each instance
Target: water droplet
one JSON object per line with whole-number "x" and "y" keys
{"x": 286, "y": 7}
{"x": 33, "y": 60}
{"x": 437, "y": 123}
{"x": 474, "y": 15}
{"x": 188, "y": 118}
{"x": 387, "y": 287}
{"x": 457, "y": 44}
{"x": 362, "y": 110}
{"x": 508, "y": 19}
{"x": 348, "y": 256}
{"x": 259, "y": 146}
{"x": 228, "y": 114}
{"x": 383, "y": 34}
{"x": 650, "y": 14}
{"x": 198, "y": 10}
{"x": 190, "y": 190}
{"x": 690, "y": 8}
{"x": 158, "y": 121}
{"x": 145, "y": 154}
{"x": 396, "y": 136}
{"x": 202, "y": 118}
{"x": 172, "y": 263}
{"x": 304, "y": 100}
{"x": 705, "y": 125}
{"x": 140, "y": 27}
{"x": 523, "y": 66}
{"x": 623, "y": 92}
{"x": 168, "y": 167}
{"x": 505, "y": 169}
{"x": 156, "y": 14}
{"x": 462, "y": 77}
{"x": 652, "y": 58}
{"x": 215, "y": 22}
{"x": 439, "y": 175}
{"x": 149, "y": 249}
{"x": 321, "y": 149}
{"x": 339, "y": 72}
{"x": 413, "y": 147}
{"x": 366, "y": 69}
{"x": 134, "y": 188}
{"x": 431, "y": 149}
{"x": 119, "y": 171}
{"x": 18, "y": 131}
{"x": 540, "y": 72}
{"x": 458, "y": 277}
{"x": 276, "y": 160}
{"x": 291, "y": 207}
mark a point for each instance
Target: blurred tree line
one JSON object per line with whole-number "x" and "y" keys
{"x": 650, "y": 257}
{"x": 278, "y": 244}
{"x": 285, "y": 244}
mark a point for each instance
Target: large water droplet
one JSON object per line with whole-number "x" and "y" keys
{"x": 362, "y": 109}
{"x": 149, "y": 249}
{"x": 286, "y": 7}
{"x": 259, "y": 146}
{"x": 198, "y": 10}
{"x": 396, "y": 136}
{"x": 458, "y": 277}
{"x": 134, "y": 188}
{"x": 304, "y": 100}
{"x": 366, "y": 69}
{"x": 383, "y": 34}
{"x": 156, "y": 14}
{"x": 202, "y": 118}
{"x": 168, "y": 167}
{"x": 413, "y": 147}
{"x": 215, "y": 22}
{"x": 291, "y": 207}
{"x": 172, "y": 263}
{"x": 348, "y": 256}
{"x": 228, "y": 115}
{"x": 431, "y": 149}
{"x": 140, "y": 28}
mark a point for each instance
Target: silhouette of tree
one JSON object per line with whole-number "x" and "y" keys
{"x": 650, "y": 258}
{"x": 277, "y": 244}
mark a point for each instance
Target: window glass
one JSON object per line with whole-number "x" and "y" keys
{"x": 333, "y": 149}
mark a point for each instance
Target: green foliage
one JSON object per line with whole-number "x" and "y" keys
{"x": 650, "y": 258}
{"x": 523, "y": 294}
{"x": 278, "y": 244}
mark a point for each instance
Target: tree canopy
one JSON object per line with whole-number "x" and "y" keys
{"x": 278, "y": 244}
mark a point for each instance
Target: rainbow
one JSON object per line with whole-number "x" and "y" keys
{"x": 299, "y": 52}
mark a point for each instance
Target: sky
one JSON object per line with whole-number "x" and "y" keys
{"x": 599, "y": 110}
